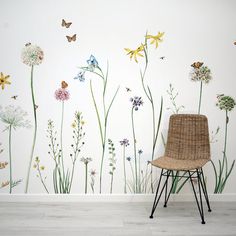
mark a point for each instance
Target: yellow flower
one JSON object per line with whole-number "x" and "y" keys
{"x": 34, "y": 166}
{"x": 155, "y": 38}
{"x": 42, "y": 167}
{"x": 37, "y": 159}
{"x": 82, "y": 122}
{"x": 3, "y": 80}
{"x": 135, "y": 53}
{"x": 73, "y": 125}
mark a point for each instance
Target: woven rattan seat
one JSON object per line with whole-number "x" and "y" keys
{"x": 187, "y": 150}
{"x": 175, "y": 164}
{"x": 187, "y": 145}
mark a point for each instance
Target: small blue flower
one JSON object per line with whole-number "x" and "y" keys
{"x": 92, "y": 63}
{"x": 80, "y": 76}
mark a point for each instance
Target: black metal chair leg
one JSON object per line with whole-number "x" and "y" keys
{"x": 200, "y": 195}
{"x": 158, "y": 186}
{"x": 156, "y": 200}
{"x": 200, "y": 209}
{"x": 166, "y": 188}
{"x": 172, "y": 185}
{"x": 204, "y": 189}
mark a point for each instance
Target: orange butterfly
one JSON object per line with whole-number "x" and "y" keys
{"x": 65, "y": 24}
{"x": 64, "y": 84}
{"x": 71, "y": 38}
{"x": 197, "y": 65}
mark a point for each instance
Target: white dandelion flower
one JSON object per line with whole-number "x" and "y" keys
{"x": 32, "y": 55}
{"x": 14, "y": 116}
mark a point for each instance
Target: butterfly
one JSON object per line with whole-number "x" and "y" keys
{"x": 27, "y": 44}
{"x": 197, "y": 65}
{"x": 65, "y": 24}
{"x": 128, "y": 89}
{"x": 64, "y": 84}
{"x": 162, "y": 58}
{"x": 14, "y": 97}
{"x": 71, "y": 38}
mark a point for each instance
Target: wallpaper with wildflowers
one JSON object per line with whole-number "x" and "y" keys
{"x": 87, "y": 89}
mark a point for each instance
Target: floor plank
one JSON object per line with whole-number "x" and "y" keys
{"x": 114, "y": 219}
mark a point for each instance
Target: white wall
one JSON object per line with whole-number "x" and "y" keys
{"x": 201, "y": 30}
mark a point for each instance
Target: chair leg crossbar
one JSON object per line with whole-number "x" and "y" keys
{"x": 201, "y": 184}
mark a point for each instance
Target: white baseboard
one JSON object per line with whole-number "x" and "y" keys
{"x": 108, "y": 198}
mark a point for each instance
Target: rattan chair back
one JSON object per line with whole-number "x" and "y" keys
{"x": 188, "y": 137}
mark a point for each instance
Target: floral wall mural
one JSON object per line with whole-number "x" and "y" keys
{"x": 85, "y": 96}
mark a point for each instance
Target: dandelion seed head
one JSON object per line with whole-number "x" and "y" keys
{"x": 14, "y": 116}
{"x": 32, "y": 55}
{"x": 86, "y": 160}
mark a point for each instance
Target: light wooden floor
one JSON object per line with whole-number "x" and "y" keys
{"x": 113, "y": 219}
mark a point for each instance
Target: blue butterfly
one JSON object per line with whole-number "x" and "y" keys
{"x": 80, "y": 76}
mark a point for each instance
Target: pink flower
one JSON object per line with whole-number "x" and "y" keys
{"x": 62, "y": 94}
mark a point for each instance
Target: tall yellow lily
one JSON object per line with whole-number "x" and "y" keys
{"x": 155, "y": 38}
{"x": 135, "y": 53}
{"x": 4, "y": 80}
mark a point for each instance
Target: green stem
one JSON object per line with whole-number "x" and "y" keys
{"x": 135, "y": 157}
{"x": 86, "y": 178}
{"x": 139, "y": 173}
{"x": 149, "y": 96}
{"x": 41, "y": 179}
{"x": 61, "y": 139}
{"x": 103, "y": 152}
{"x": 72, "y": 175}
{"x": 111, "y": 183}
{"x": 97, "y": 113}
{"x": 101, "y": 133}
{"x": 125, "y": 190}
{"x": 103, "y": 130}
{"x": 35, "y": 130}
{"x": 10, "y": 159}
{"x": 221, "y": 180}
{"x": 132, "y": 171}
{"x": 200, "y": 99}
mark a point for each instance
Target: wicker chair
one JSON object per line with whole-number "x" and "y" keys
{"x": 187, "y": 150}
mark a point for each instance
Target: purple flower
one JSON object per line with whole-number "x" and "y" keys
{"x": 124, "y": 142}
{"x": 137, "y": 102}
{"x": 128, "y": 158}
{"x": 140, "y": 151}
{"x": 80, "y": 76}
{"x": 62, "y": 94}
